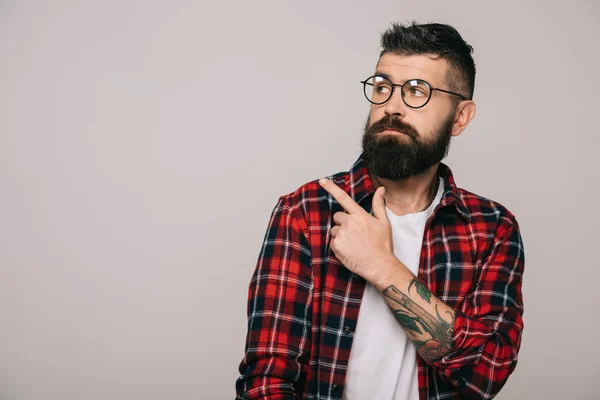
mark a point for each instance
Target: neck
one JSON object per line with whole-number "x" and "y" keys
{"x": 410, "y": 195}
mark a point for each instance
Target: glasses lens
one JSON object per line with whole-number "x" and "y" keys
{"x": 378, "y": 89}
{"x": 416, "y": 92}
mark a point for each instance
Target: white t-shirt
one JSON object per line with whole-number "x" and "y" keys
{"x": 383, "y": 363}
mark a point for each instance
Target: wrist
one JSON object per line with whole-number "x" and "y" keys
{"x": 392, "y": 272}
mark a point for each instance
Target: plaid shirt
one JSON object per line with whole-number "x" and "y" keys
{"x": 303, "y": 304}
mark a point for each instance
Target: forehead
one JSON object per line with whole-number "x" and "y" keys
{"x": 404, "y": 67}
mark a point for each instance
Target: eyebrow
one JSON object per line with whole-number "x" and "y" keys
{"x": 383, "y": 74}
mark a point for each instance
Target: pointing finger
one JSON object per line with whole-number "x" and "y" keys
{"x": 342, "y": 197}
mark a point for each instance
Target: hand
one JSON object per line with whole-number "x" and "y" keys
{"x": 362, "y": 242}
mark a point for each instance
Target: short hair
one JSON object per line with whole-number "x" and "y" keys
{"x": 439, "y": 39}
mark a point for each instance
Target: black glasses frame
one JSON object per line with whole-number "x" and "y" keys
{"x": 431, "y": 89}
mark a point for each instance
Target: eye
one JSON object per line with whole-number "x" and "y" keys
{"x": 416, "y": 88}
{"x": 416, "y": 91}
{"x": 382, "y": 89}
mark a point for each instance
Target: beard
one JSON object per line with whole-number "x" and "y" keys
{"x": 397, "y": 158}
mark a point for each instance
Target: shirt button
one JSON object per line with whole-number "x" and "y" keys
{"x": 347, "y": 330}
{"x": 334, "y": 386}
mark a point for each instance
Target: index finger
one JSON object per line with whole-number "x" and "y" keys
{"x": 342, "y": 197}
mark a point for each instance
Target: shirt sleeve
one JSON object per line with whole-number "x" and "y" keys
{"x": 488, "y": 327}
{"x": 279, "y": 311}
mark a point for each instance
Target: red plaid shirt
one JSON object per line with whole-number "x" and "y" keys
{"x": 303, "y": 303}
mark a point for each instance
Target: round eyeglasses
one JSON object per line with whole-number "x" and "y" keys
{"x": 415, "y": 92}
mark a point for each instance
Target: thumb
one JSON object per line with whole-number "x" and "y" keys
{"x": 379, "y": 204}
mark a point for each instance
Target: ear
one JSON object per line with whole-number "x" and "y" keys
{"x": 465, "y": 112}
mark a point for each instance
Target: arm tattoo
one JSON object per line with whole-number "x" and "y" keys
{"x": 421, "y": 289}
{"x": 411, "y": 316}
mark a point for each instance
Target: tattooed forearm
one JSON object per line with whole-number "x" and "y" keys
{"x": 421, "y": 289}
{"x": 431, "y": 334}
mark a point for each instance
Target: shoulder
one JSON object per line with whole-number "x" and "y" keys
{"x": 311, "y": 195}
{"x": 487, "y": 214}
{"x": 309, "y": 205}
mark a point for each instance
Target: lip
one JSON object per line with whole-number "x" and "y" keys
{"x": 392, "y": 131}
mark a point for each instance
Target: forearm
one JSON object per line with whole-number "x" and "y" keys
{"x": 475, "y": 346}
{"x": 428, "y": 321}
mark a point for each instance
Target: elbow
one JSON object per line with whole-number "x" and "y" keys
{"x": 481, "y": 372}
{"x": 273, "y": 378}
{"x": 254, "y": 389}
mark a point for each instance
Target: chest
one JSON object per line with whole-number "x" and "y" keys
{"x": 446, "y": 262}
{"x": 442, "y": 252}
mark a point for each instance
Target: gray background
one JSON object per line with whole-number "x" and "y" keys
{"x": 143, "y": 145}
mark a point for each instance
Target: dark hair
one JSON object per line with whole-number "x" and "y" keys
{"x": 439, "y": 39}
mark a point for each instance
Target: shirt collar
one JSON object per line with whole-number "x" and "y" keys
{"x": 359, "y": 186}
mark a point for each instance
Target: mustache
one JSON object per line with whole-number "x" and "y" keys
{"x": 388, "y": 122}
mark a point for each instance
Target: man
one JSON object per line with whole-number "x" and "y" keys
{"x": 388, "y": 281}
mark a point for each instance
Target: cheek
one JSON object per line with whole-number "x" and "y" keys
{"x": 375, "y": 114}
{"x": 425, "y": 123}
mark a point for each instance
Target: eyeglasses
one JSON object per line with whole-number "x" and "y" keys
{"x": 415, "y": 92}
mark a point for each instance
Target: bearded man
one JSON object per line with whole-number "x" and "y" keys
{"x": 388, "y": 281}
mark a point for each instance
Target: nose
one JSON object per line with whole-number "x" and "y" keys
{"x": 395, "y": 105}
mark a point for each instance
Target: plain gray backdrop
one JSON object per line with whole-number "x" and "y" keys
{"x": 143, "y": 145}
